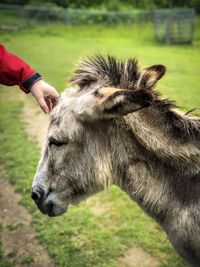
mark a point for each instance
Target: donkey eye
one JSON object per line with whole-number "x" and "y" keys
{"x": 53, "y": 141}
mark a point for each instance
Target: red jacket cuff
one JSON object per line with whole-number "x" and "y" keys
{"x": 29, "y": 82}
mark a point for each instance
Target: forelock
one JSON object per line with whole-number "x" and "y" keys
{"x": 107, "y": 71}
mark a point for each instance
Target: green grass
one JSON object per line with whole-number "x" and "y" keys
{"x": 81, "y": 237}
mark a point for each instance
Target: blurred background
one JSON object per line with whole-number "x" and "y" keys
{"x": 108, "y": 230}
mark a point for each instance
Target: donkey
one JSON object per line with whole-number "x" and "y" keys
{"x": 112, "y": 127}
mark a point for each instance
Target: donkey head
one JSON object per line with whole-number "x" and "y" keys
{"x": 86, "y": 128}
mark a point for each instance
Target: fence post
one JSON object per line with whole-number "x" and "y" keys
{"x": 66, "y": 16}
{"x": 22, "y": 13}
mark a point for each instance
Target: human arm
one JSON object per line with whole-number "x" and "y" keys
{"x": 14, "y": 71}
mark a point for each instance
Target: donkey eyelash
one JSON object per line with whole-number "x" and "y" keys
{"x": 53, "y": 141}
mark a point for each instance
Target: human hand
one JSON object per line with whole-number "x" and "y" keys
{"x": 45, "y": 94}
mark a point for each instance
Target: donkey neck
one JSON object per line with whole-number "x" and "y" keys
{"x": 169, "y": 136}
{"x": 160, "y": 190}
{"x": 154, "y": 168}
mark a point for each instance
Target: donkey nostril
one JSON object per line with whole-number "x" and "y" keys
{"x": 35, "y": 196}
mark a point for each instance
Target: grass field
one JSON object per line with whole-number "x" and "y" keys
{"x": 82, "y": 238}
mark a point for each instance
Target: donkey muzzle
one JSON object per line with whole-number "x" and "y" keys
{"x": 39, "y": 195}
{"x": 46, "y": 202}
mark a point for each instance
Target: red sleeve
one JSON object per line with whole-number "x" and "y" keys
{"x": 14, "y": 71}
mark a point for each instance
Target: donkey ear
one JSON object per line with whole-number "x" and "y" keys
{"x": 109, "y": 102}
{"x": 150, "y": 76}
{"x": 115, "y": 102}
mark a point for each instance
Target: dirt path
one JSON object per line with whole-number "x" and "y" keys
{"x": 137, "y": 257}
{"x": 19, "y": 238}
{"x": 19, "y": 242}
{"x": 35, "y": 121}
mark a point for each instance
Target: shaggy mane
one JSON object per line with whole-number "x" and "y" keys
{"x": 109, "y": 71}
{"x": 180, "y": 126}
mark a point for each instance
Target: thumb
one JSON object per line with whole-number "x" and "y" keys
{"x": 43, "y": 105}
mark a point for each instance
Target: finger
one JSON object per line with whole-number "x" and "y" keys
{"x": 53, "y": 101}
{"x": 48, "y": 102}
{"x": 43, "y": 105}
{"x": 56, "y": 94}
{"x": 56, "y": 97}
{"x": 53, "y": 93}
